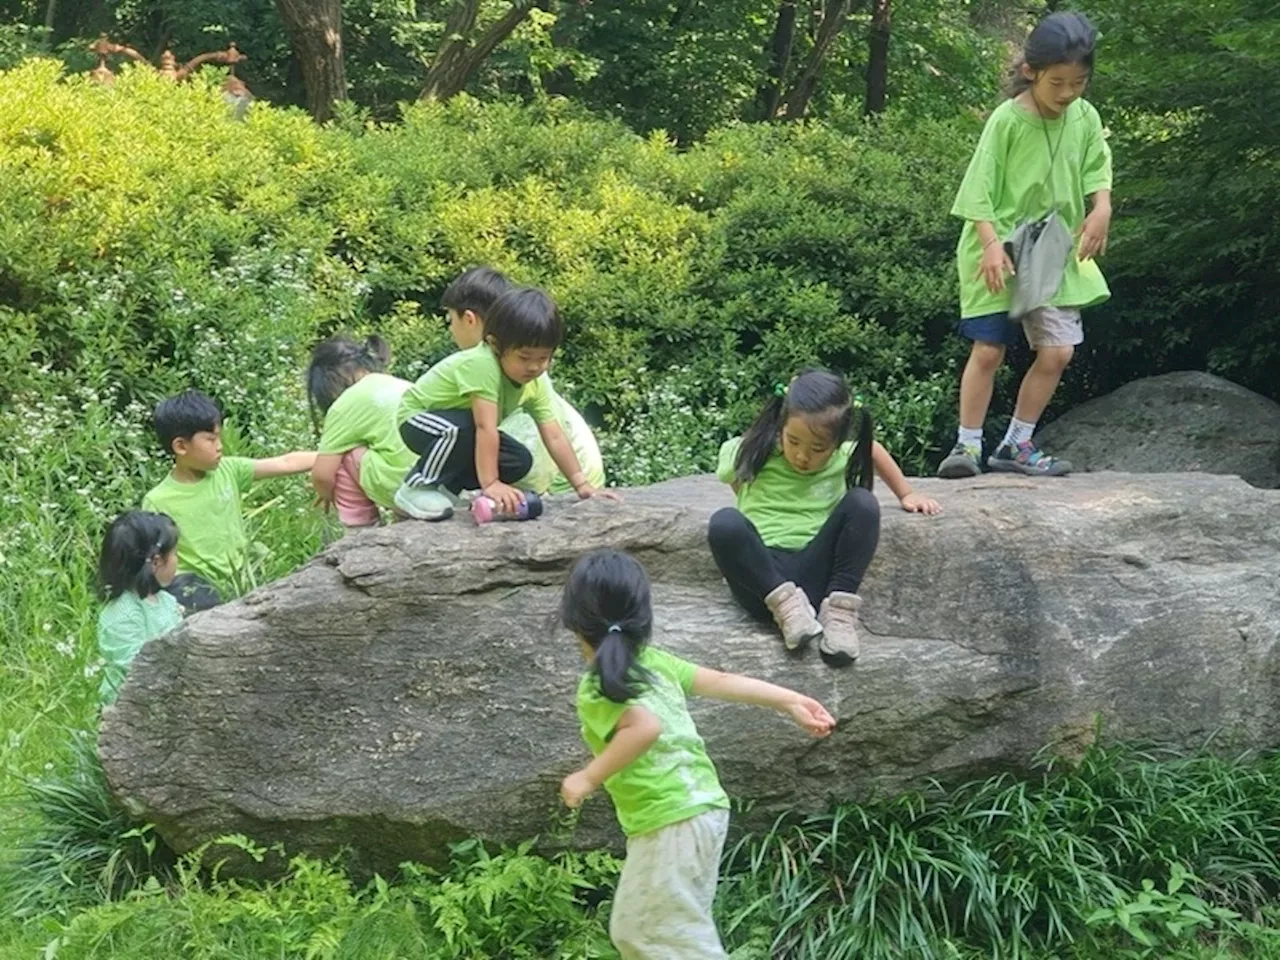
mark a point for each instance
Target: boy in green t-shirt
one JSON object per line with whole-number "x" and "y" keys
{"x": 450, "y": 416}
{"x": 203, "y": 494}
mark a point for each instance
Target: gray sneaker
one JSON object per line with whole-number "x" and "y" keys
{"x": 839, "y": 618}
{"x": 962, "y": 461}
{"x": 424, "y": 503}
{"x": 794, "y": 615}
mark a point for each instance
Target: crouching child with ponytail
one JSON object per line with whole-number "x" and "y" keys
{"x": 806, "y": 524}
{"x": 650, "y": 759}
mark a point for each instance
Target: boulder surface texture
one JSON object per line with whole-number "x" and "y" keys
{"x": 411, "y": 686}
{"x": 1176, "y": 421}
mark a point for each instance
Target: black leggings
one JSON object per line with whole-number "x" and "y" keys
{"x": 194, "y": 593}
{"x": 445, "y": 441}
{"x": 835, "y": 559}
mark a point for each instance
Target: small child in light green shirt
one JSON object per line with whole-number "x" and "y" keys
{"x": 203, "y": 494}
{"x": 139, "y": 559}
{"x": 653, "y": 763}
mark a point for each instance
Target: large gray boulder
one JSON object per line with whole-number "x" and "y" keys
{"x": 1178, "y": 421}
{"x": 409, "y": 687}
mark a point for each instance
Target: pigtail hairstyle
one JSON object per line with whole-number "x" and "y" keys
{"x": 606, "y": 602}
{"x": 823, "y": 398}
{"x": 1065, "y": 37}
{"x": 131, "y": 541}
{"x": 335, "y": 364}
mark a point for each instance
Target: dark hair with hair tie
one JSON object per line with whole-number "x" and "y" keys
{"x": 336, "y": 364}
{"x": 129, "y": 545}
{"x": 1066, "y": 37}
{"x": 606, "y": 602}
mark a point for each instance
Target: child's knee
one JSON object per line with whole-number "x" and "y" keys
{"x": 727, "y": 526}
{"x": 1054, "y": 359}
{"x": 862, "y": 506}
{"x": 986, "y": 357}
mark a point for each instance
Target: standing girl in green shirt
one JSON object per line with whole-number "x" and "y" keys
{"x": 650, "y": 759}
{"x": 361, "y": 459}
{"x": 806, "y": 523}
{"x": 1043, "y": 150}
{"x": 139, "y": 559}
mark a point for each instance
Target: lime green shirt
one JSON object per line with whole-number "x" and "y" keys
{"x": 787, "y": 507}
{"x": 365, "y": 415}
{"x": 124, "y": 625}
{"x": 1008, "y": 181}
{"x": 461, "y": 377}
{"x": 674, "y": 779}
{"x": 210, "y": 518}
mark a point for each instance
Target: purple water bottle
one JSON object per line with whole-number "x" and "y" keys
{"x": 485, "y": 510}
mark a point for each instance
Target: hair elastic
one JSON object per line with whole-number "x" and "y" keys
{"x": 614, "y": 628}
{"x": 779, "y": 389}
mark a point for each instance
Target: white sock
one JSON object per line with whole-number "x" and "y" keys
{"x": 1019, "y": 432}
{"x": 969, "y": 437}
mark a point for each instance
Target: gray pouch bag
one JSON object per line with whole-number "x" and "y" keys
{"x": 1039, "y": 250}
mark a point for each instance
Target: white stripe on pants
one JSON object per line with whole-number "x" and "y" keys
{"x": 439, "y": 455}
{"x": 662, "y": 907}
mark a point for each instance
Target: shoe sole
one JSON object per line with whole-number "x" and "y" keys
{"x": 413, "y": 514}
{"x": 958, "y": 470}
{"x": 1012, "y": 466}
{"x": 838, "y": 659}
{"x": 802, "y": 643}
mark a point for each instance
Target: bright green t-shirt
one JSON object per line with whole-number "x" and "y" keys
{"x": 124, "y": 625}
{"x": 366, "y": 415}
{"x": 1008, "y": 181}
{"x": 211, "y": 538}
{"x": 787, "y": 507}
{"x": 674, "y": 779}
{"x": 460, "y": 377}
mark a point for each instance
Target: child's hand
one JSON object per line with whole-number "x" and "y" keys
{"x": 914, "y": 503}
{"x": 575, "y": 788}
{"x": 507, "y": 498}
{"x": 588, "y": 492}
{"x": 995, "y": 264}
{"x": 1093, "y": 233}
{"x": 811, "y": 715}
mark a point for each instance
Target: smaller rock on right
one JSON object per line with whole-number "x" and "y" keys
{"x": 1185, "y": 421}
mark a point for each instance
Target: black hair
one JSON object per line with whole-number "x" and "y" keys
{"x": 131, "y": 541}
{"x": 475, "y": 289}
{"x": 823, "y": 398}
{"x": 183, "y": 416}
{"x": 335, "y": 364}
{"x": 606, "y": 602}
{"x": 523, "y": 317}
{"x": 1066, "y": 37}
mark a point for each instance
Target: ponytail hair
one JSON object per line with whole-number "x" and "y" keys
{"x": 607, "y": 603}
{"x": 823, "y": 399}
{"x": 335, "y": 365}
{"x": 129, "y": 544}
{"x": 1065, "y": 37}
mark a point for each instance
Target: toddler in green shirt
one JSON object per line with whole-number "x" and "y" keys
{"x": 138, "y": 560}
{"x": 203, "y": 494}
{"x": 651, "y": 760}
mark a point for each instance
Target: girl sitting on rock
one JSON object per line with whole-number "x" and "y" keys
{"x": 362, "y": 458}
{"x": 649, "y": 757}
{"x": 139, "y": 559}
{"x": 806, "y": 524}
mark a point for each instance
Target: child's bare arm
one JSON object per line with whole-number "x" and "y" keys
{"x": 887, "y": 469}
{"x": 637, "y": 730}
{"x": 562, "y": 454}
{"x": 300, "y": 461}
{"x": 805, "y": 711}
{"x": 485, "y": 414}
{"x": 324, "y": 475}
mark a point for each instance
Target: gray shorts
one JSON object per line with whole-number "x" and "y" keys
{"x": 1043, "y": 327}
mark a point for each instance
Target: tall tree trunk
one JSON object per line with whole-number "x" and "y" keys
{"x": 460, "y": 54}
{"x": 834, "y": 15}
{"x": 780, "y": 47}
{"x": 50, "y": 15}
{"x": 315, "y": 34}
{"x": 878, "y": 58}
